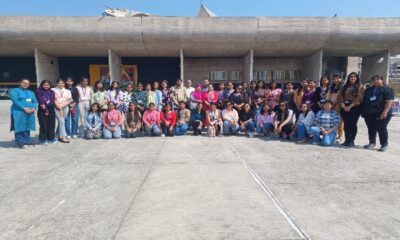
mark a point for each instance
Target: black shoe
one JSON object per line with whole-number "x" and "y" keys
{"x": 20, "y": 146}
{"x": 351, "y": 144}
{"x": 345, "y": 144}
{"x": 383, "y": 148}
{"x": 370, "y": 146}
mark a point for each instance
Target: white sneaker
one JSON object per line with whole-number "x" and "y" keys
{"x": 68, "y": 137}
{"x": 162, "y": 135}
{"x": 74, "y": 136}
{"x": 251, "y": 135}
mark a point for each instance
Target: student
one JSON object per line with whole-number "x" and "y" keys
{"x": 214, "y": 119}
{"x": 100, "y": 96}
{"x": 259, "y": 98}
{"x": 302, "y": 127}
{"x": 183, "y": 120}
{"x": 288, "y": 95}
{"x": 63, "y": 99}
{"x": 198, "y": 118}
{"x": 283, "y": 121}
{"x": 226, "y": 95}
{"x": 85, "y": 95}
{"x": 274, "y": 95}
{"x": 189, "y": 89}
{"x": 72, "y": 119}
{"x": 133, "y": 121}
{"x": 127, "y": 97}
{"x": 237, "y": 98}
{"x": 298, "y": 96}
{"x": 151, "y": 94}
{"x": 179, "y": 93}
{"x": 46, "y": 114}
{"x": 377, "y": 112}
{"x": 114, "y": 95}
{"x": 157, "y": 96}
{"x": 151, "y": 121}
{"x": 246, "y": 120}
{"x": 322, "y": 92}
{"x": 196, "y": 98}
{"x": 326, "y": 123}
{"x": 140, "y": 98}
{"x": 168, "y": 121}
{"x": 310, "y": 97}
{"x": 265, "y": 121}
{"x": 209, "y": 97}
{"x": 246, "y": 93}
{"x": 206, "y": 83}
{"x": 350, "y": 99}
{"x": 112, "y": 122}
{"x": 230, "y": 117}
{"x": 23, "y": 108}
{"x": 93, "y": 122}
{"x": 334, "y": 91}
{"x": 167, "y": 94}
{"x": 251, "y": 92}
{"x": 221, "y": 89}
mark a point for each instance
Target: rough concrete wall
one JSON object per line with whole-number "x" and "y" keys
{"x": 248, "y": 62}
{"x": 46, "y": 67}
{"x": 312, "y": 66}
{"x": 375, "y": 65}
{"x": 198, "y": 68}
{"x": 353, "y": 65}
{"x": 182, "y": 65}
{"x": 114, "y": 61}
{"x": 277, "y": 64}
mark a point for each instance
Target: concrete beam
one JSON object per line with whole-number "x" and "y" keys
{"x": 46, "y": 67}
{"x": 115, "y": 65}
{"x": 312, "y": 66}
{"x": 375, "y": 65}
{"x": 182, "y": 64}
{"x": 248, "y": 66}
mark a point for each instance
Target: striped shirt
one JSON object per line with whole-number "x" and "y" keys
{"x": 327, "y": 120}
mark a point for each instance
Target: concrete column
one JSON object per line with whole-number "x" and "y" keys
{"x": 248, "y": 66}
{"x": 375, "y": 65}
{"x": 353, "y": 65}
{"x": 114, "y": 63}
{"x": 182, "y": 64}
{"x": 46, "y": 67}
{"x": 312, "y": 66}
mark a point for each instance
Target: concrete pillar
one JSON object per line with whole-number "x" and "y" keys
{"x": 375, "y": 65}
{"x": 353, "y": 65}
{"x": 114, "y": 63}
{"x": 182, "y": 64}
{"x": 46, "y": 67}
{"x": 312, "y": 66}
{"x": 248, "y": 66}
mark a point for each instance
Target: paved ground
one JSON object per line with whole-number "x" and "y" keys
{"x": 198, "y": 188}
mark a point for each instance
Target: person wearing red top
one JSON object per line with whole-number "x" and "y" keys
{"x": 151, "y": 121}
{"x": 168, "y": 121}
{"x": 112, "y": 121}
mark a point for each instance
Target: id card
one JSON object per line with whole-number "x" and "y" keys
{"x": 29, "y": 99}
{"x": 372, "y": 99}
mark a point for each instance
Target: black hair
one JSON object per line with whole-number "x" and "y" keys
{"x": 96, "y": 89}
{"x": 44, "y": 82}
{"x": 269, "y": 110}
{"x": 129, "y": 115}
{"x": 98, "y": 109}
{"x": 60, "y": 80}
{"x": 285, "y": 113}
{"x": 116, "y": 89}
{"x": 84, "y": 78}
{"x": 260, "y": 81}
{"x": 322, "y": 78}
{"x": 336, "y": 88}
{"x": 23, "y": 79}
{"x": 165, "y": 107}
{"x": 300, "y": 86}
{"x": 356, "y": 84}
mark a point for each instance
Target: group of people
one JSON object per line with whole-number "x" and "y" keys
{"x": 323, "y": 114}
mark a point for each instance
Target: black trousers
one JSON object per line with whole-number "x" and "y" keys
{"x": 287, "y": 129}
{"x": 165, "y": 130}
{"x": 195, "y": 125}
{"x": 375, "y": 125}
{"x": 47, "y": 124}
{"x": 350, "y": 120}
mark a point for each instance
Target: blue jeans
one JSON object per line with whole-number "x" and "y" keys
{"x": 326, "y": 140}
{"x": 72, "y": 127}
{"x": 300, "y": 132}
{"x": 108, "y": 134}
{"x": 250, "y": 126}
{"x": 267, "y": 128}
{"x": 229, "y": 128}
{"x": 22, "y": 138}
{"x": 153, "y": 130}
{"x": 181, "y": 129}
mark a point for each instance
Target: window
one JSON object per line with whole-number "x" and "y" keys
{"x": 218, "y": 76}
{"x": 234, "y": 76}
{"x": 277, "y": 75}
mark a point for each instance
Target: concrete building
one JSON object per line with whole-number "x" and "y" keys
{"x": 394, "y": 69}
{"x": 220, "y": 48}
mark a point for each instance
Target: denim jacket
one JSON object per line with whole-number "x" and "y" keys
{"x": 89, "y": 119}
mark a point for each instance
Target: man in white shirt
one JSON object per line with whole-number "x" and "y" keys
{"x": 85, "y": 94}
{"x": 188, "y": 88}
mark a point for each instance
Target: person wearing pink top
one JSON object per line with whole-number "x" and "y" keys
{"x": 209, "y": 97}
{"x": 112, "y": 122}
{"x": 230, "y": 117}
{"x": 265, "y": 121}
{"x": 151, "y": 121}
{"x": 274, "y": 96}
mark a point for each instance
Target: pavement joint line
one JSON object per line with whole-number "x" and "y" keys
{"x": 138, "y": 191}
{"x": 302, "y": 234}
{"x": 59, "y": 204}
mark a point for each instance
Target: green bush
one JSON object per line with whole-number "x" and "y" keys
{"x": 396, "y": 88}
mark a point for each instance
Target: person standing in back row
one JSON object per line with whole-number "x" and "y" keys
{"x": 350, "y": 99}
{"x": 72, "y": 118}
{"x": 377, "y": 112}
{"x": 85, "y": 95}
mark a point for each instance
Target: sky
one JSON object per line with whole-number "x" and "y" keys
{"x": 324, "y": 8}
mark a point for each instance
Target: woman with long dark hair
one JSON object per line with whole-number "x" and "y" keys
{"x": 265, "y": 121}
{"x": 198, "y": 118}
{"x": 283, "y": 121}
{"x": 63, "y": 98}
{"x": 322, "y": 91}
{"x": 115, "y": 96}
{"x": 100, "y": 95}
{"x": 133, "y": 121}
{"x": 302, "y": 128}
{"x": 259, "y": 98}
{"x": 46, "y": 114}
{"x": 333, "y": 94}
{"x": 350, "y": 99}
{"x": 112, "y": 121}
{"x": 298, "y": 97}
{"x": 93, "y": 122}
{"x": 168, "y": 121}
{"x": 274, "y": 95}
{"x": 310, "y": 96}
